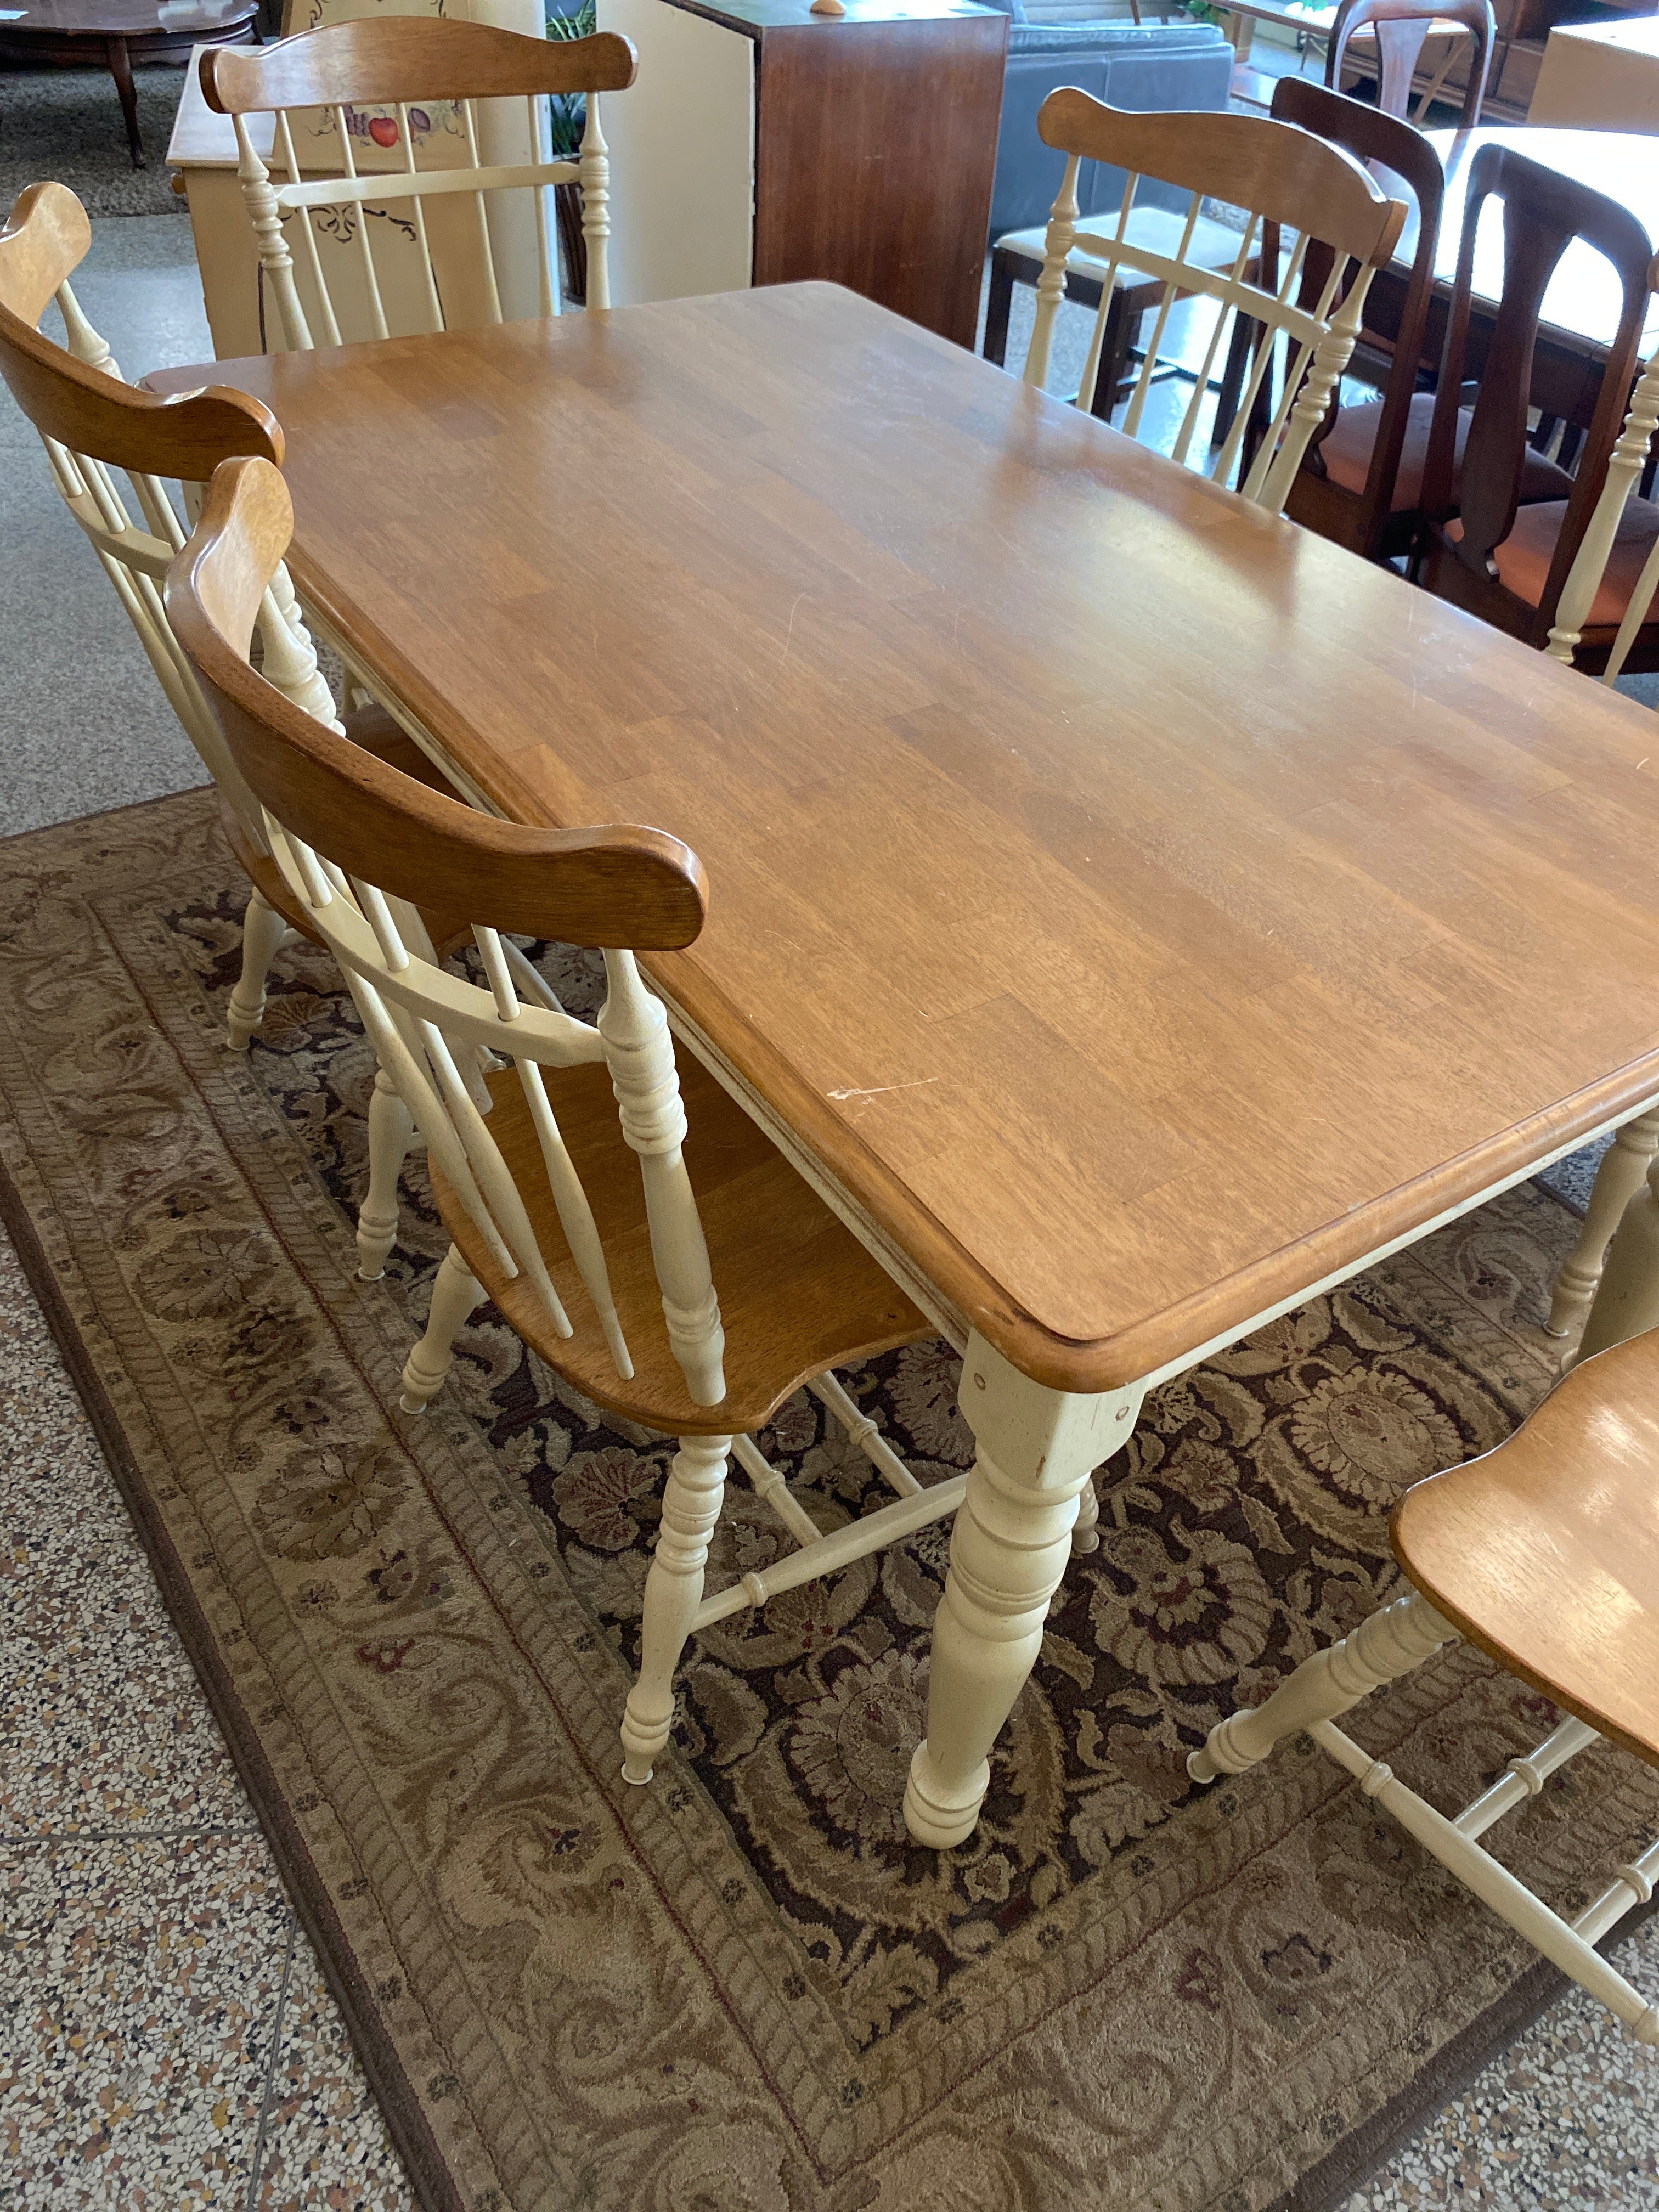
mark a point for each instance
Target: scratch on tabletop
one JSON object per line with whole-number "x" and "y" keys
{"x": 789, "y": 634}
{"x": 882, "y": 1089}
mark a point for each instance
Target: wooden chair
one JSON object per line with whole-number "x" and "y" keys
{"x": 1282, "y": 176}
{"x": 1545, "y": 1555}
{"x": 1483, "y": 547}
{"x": 1361, "y": 481}
{"x": 93, "y": 426}
{"x": 561, "y": 1176}
{"x": 350, "y": 172}
{"x": 1629, "y": 1160}
{"x": 1399, "y": 27}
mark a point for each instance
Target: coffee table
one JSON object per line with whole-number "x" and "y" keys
{"x": 76, "y": 33}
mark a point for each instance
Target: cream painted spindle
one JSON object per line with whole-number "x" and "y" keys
{"x": 1386, "y": 1644}
{"x": 259, "y": 196}
{"x": 673, "y": 1592}
{"x": 1051, "y": 284}
{"x": 365, "y": 251}
{"x": 641, "y": 1055}
{"x": 594, "y": 165}
{"x": 1624, "y": 467}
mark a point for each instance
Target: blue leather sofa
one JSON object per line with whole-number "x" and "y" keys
{"x": 1179, "y": 62}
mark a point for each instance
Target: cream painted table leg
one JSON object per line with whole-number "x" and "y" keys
{"x": 1012, "y": 1537}
{"x": 1618, "y": 1179}
{"x": 1627, "y": 1301}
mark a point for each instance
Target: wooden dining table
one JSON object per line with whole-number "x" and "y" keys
{"x": 1132, "y": 912}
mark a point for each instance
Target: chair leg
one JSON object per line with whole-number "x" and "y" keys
{"x": 1390, "y": 1643}
{"x": 391, "y": 1129}
{"x": 673, "y": 1592}
{"x": 1115, "y": 341}
{"x": 455, "y": 1294}
{"x": 1624, "y": 1166}
{"x": 265, "y": 933}
{"x": 999, "y": 301}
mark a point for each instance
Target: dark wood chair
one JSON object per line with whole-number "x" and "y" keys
{"x": 1482, "y": 547}
{"x": 1361, "y": 483}
{"x": 1399, "y": 27}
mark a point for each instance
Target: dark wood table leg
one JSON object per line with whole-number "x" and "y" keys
{"x": 1004, "y": 265}
{"x": 120, "y": 68}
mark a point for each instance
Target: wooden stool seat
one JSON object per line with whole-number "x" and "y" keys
{"x": 799, "y": 1294}
{"x": 1545, "y": 1552}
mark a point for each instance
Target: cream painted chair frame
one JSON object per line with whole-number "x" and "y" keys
{"x": 1384, "y": 1647}
{"x": 435, "y": 1033}
{"x": 1633, "y": 1155}
{"x": 47, "y": 235}
{"x": 49, "y": 225}
{"x": 1282, "y": 175}
{"x": 397, "y": 62}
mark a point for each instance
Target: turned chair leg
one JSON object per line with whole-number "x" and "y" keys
{"x": 673, "y": 1592}
{"x": 455, "y": 1294}
{"x": 391, "y": 1131}
{"x": 1624, "y": 1167}
{"x": 265, "y": 933}
{"x": 1390, "y": 1643}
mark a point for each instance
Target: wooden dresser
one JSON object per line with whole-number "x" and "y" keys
{"x": 764, "y": 144}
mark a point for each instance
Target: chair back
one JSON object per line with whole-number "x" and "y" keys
{"x": 358, "y": 844}
{"x": 392, "y": 239}
{"x": 1399, "y": 27}
{"x": 1280, "y": 175}
{"x": 1543, "y": 213}
{"x": 96, "y": 428}
{"x": 1372, "y": 135}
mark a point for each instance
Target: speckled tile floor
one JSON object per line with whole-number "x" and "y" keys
{"x": 168, "y": 2044}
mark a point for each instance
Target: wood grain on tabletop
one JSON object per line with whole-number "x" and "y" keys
{"x": 1141, "y": 906}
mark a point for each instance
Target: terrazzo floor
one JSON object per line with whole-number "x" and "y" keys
{"x": 169, "y": 2044}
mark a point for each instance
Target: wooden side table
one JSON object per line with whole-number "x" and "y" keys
{"x": 76, "y": 33}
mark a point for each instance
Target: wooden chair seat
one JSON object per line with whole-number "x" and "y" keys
{"x": 1524, "y": 557}
{"x": 1347, "y": 447}
{"x": 799, "y": 1294}
{"x": 1545, "y": 1552}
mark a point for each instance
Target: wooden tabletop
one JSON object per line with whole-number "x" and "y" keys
{"x": 1140, "y": 907}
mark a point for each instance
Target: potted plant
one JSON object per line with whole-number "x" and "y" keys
{"x": 568, "y": 119}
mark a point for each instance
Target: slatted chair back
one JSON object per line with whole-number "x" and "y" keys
{"x": 1282, "y": 176}
{"x": 96, "y": 430}
{"x": 359, "y": 844}
{"x": 1362, "y": 519}
{"x": 1399, "y": 27}
{"x": 344, "y": 171}
{"x": 1543, "y": 214}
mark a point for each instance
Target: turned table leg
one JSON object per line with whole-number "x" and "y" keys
{"x": 1012, "y": 1537}
{"x": 1626, "y": 1300}
{"x": 120, "y": 68}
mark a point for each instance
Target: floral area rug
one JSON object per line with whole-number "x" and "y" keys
{"x": 743, "y": 1988}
